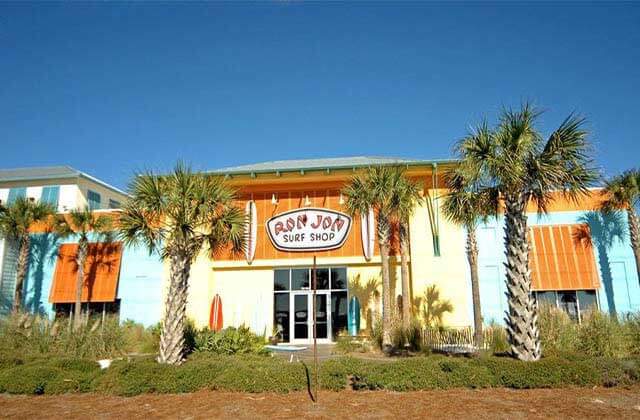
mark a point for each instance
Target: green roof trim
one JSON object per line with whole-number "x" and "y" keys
{"x": 326, "y": 165}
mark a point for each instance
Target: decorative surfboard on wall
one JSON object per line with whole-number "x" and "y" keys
{"x": 367, "y": 232}
{"x": 250, "y": 230}
{"x": 354, "y": 316}
{"x": 215, "y": 317}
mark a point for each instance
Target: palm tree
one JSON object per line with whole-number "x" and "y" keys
{"x": 466, "y": 207}
{"x": 15, "y": 221}
{"x": 622, "y": 192}
{"x": 83, "y": 224}
{"x": 178, "y": 215}
{"x": 373, "y": 190}
{"x": 521, "y": 166}
{"x": 405, "y": 197}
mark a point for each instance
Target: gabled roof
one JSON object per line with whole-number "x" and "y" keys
{"x": 50, "y": 172}
{"x": 322, "y": 164}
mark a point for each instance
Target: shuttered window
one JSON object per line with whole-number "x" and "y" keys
{"x": 14, "y": 193}
{"x": 50, "y": 195}
{"x": 102, "y": 271}
{"x": 94, "y": 200}
{"x": 560, "y": 260}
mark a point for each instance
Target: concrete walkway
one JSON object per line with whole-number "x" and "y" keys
{"x": 325, "y": 351}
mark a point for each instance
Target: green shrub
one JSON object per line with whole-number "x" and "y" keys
{"x": 400, "y": 337}
{"x": 204, "y": 371}
{"x": 50, "y": 376}
{"x": 631, "y": 329}
{"x": 597, "y": 335}
{"x": 600, "y": 335}
{"x": 230, "y": 340}
{"x": 139, "y": 339}
{"x": 28, "y": 336}
{"x": 347, "y": 344}
{"x": 558, "y": 333}
{"x": 253, "y": 373}
{"x": 495, "y": 337}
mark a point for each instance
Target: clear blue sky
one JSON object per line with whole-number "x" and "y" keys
{"x": 114, "y": 88}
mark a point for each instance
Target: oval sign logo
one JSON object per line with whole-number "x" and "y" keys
{"x": 309, "y": 229}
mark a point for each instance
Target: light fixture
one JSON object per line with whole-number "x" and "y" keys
{"x": 307, "y": 202}
{"x": 341, "y": 201}
{"x": 274, "y": 199}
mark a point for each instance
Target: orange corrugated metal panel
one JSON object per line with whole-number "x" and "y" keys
{"x": 559, "y": 261}
{"x": 102, "y": 270}
{"x": 288, "y": 200}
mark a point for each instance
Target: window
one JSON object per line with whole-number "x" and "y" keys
{"x": 588, "y": 301}
{"x": 113, "y": 204}
{"x": 547, "y": 298}
{"x": 568, "y": 302}
{"x": 93, "y": 199}
{"x": 281, "y": 280}
{"x": 15, "y": 193}
{"x": 339, "y": 278}
{"x": 300, "y": 279}
{"x": 50, "y": 195}
{"x": 576, "y": 303}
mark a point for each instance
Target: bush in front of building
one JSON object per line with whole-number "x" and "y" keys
{"x": 246, "y": 373}
{"x": 33, "y": 336}
{"x": 596, "y": 335}
{"x": 253, "y": 373}
{"x": 409, "y": 338}
{"x": 229, "y": 341}
{"x": 48, "y": 376}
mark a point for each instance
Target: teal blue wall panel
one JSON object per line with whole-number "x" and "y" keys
{"x": 139, "y": 285}
{"x": 619, "y": 291}
{"x": 8, "y": 278}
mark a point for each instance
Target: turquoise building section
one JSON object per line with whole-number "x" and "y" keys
{"x": 139, "y": 285}
{"x": 8, "y": 260}
{"x": 619, "y": 290}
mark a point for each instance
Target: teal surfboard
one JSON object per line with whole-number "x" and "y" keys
{"x": 354, "y": 316}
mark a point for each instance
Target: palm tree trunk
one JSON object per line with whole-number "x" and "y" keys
{"x": 21, "y": 272}
{"x": 404, "y": 272}
{"x": 383, "y": 242}
{"x": 472, "y": 257}
{"x": 81, "y": 258}
{"x": 175, "y": 306}
{"x": 634, "y": 236}
{"x": 522, "y": 317}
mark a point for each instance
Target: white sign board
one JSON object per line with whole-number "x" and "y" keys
{"x": 309, "y": 229}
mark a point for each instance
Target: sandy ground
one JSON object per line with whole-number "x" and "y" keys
{"x": 488, "y": 403}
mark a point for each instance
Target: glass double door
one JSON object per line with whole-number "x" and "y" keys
{"x": 302, "y": 316}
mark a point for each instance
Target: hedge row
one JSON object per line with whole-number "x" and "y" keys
{"x": 262, "y": 374}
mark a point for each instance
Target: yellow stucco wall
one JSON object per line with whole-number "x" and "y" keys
{"x": 449, "y": 271}
{"x": 247, "y": 290}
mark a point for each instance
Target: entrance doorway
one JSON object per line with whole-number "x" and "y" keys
{"x": 293, "y": 304}
{"x": 302, "y": 319}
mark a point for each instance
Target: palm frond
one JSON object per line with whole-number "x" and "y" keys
{"x": 622, "y": 191}
{"x": 564, "y": 164}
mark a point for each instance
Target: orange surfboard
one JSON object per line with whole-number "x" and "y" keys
{"x": 215, "y": 317}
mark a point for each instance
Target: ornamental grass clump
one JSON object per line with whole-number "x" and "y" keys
{"x": 26, "y": 336}
{"x": 596, "y": 335}
{"x": 229, "y": 341}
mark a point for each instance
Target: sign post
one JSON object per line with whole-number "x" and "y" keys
{"x": 315, "y": 336}
{"x": 310, "y": 230}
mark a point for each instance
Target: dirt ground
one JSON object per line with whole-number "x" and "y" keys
{"x": 487, "y": 403}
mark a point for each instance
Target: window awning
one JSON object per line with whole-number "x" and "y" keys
{"x": 561, "y": 258}
{"x": 101, "y": 270}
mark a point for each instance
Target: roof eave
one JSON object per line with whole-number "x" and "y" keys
{"x": 334, "y": 168}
